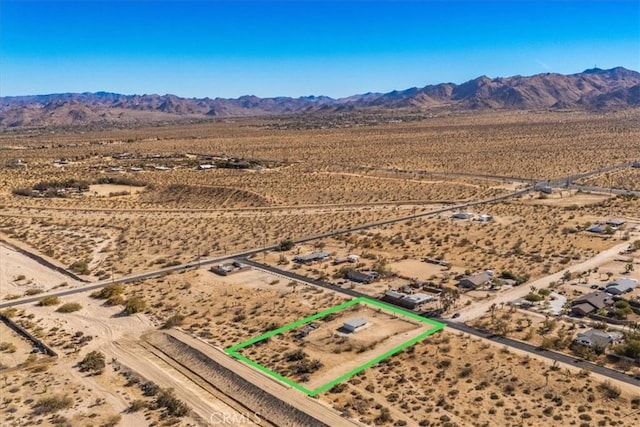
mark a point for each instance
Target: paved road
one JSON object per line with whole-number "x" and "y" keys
{"x": 559, "y": 357}
{"x": 572, "y": 178}
{"x": 605, "y": 190}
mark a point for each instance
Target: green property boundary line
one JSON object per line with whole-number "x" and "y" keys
{"x": 233, "y": 350}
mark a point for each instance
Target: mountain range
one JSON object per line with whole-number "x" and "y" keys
{"x": 593, "y": 89}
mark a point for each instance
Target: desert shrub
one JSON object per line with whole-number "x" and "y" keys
{"x": 295, "y": 355}
{"x": 338, "y": 388}
{"x": 134, "y": 305}
{"x": 93, "y": 362}
{"x": 137, "y": 405}
{"x": 286, "y": 245}
{"x": 384, "y": 417}
{"x": 10, "y": 312}
{"x": 150, "y": 388}
{"x": 120, "y": 181}
{"x": 610, "y": 390}
{"x": 47, "y": 301}
{"x": 174, "y": 406}
{"x": 69, "y": 307}
{"x": 108, "y": 291}
{"x": 7, "y": 347}
{"x": 112, "y": 421}
{"x": 175, "y": 320}
{"x": 48, "y": 405}
{"x": 115, "y": 300}
{"x": 80, "y": 267}
{"x": 465, "y": 372}
{"x": 531, "y": 297}
{"x": 33, "y": 291}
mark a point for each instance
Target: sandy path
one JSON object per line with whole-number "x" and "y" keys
{"x": 141, "y": 361}
{"x": 479, "y": 308}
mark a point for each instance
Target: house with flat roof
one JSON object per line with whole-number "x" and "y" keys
{"x": 354, "y": 324}
{"x": 365, "y": 277}
{"x": 311, "y": 258}
{"x": 616, "y": 222}
{"x": 621, "y": 286}
{"x": 405, "y": 300}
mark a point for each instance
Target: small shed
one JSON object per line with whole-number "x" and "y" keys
{"x": 353, "y": 324}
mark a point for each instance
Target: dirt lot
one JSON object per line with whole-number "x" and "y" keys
{"x": 20, "y": 274}
{"x": 337, "y": 351}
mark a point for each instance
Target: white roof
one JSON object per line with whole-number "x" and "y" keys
{"x": 355, "y": 322}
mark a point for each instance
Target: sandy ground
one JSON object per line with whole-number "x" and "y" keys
{"x": 108, "y": 189}
{"x": 383, "y": 332}
{"x": 14, "y": 264}
{"x": 23, "y": 348}
{"x": 416, "y": 268}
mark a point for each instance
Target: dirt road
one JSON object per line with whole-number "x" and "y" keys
{"x": 315, "y": 408}
{"x": 139, "y": 360}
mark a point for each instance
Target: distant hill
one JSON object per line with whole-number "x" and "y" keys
{"x": 593, "y": 89}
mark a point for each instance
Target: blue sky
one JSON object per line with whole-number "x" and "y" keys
{"x": 204, "y": 48}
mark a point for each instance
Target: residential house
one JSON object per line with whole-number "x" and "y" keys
{"x": 590, "y": 303}
{"x": 311, "y": 258}
{"x": 616, "y": 222}
{"x": 365, "y": 277}
{"x": 350, "y": 258}
{"x": 599, "y": 339}
{"x": 475, "y": 281}
{"x": 411, "y": 301}
{"x": 621, "y": 286}
{"x": 599, "y": 228}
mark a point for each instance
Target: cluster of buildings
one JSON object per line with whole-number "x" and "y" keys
{"x": 606, "y": 227}
{"x": 590, "y": 304}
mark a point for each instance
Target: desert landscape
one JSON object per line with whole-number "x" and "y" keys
{"x": 319, "y": 214}
{"x": 137, "y": 213}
